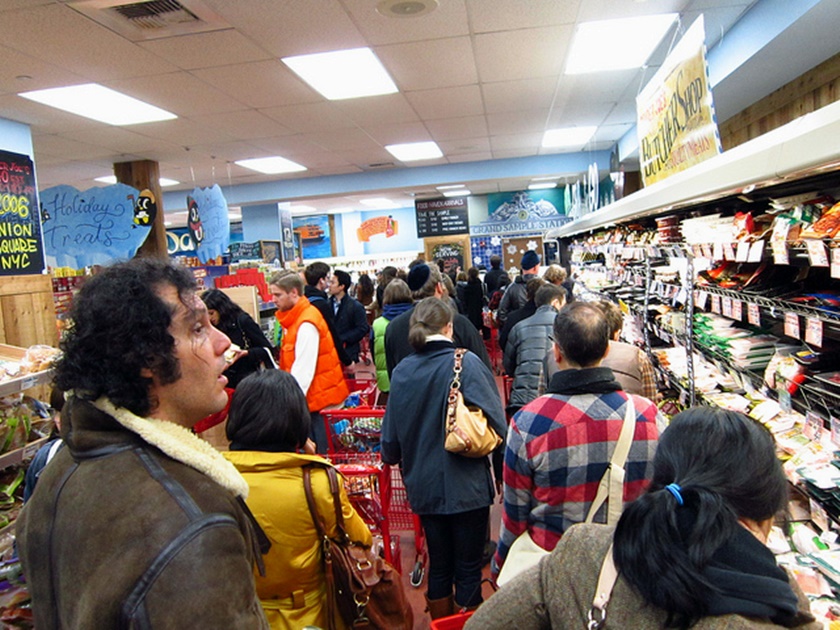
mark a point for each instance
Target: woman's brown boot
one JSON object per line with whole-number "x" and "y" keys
{"x": 443, "y": 607}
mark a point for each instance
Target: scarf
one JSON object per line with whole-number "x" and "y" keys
{"x": 598, "y": 380}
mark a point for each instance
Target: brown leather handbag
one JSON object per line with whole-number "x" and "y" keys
{"x": 362, "y": 588}
{"x": 467, "y": 430}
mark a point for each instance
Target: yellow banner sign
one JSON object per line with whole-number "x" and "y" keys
{"x": 377, "y": 225}
{"x": 675, "y": 111}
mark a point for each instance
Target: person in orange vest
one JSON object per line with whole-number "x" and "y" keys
{"x": 307, "y": 351}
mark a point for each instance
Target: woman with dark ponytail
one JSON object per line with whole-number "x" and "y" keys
{"x": 690, "y": 553}
{"x": 451, "y": 493}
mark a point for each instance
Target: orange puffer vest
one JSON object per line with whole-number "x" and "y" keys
{"x": 328, "y": 385}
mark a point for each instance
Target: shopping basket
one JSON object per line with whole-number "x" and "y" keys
{"x": 399, "y": 516}
{"x": 453, "y": 622}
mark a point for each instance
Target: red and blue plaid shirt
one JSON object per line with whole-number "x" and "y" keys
{"x": 558, "y": 448}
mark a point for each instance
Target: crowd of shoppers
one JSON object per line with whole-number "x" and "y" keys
{"x": 134, "y": 490}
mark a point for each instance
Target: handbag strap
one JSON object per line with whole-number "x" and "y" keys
{"x": 612, "y": 483}
{"x": 606, "y": 582}
{"x": 332, "y": 605}
{"x": 454, "y": 388}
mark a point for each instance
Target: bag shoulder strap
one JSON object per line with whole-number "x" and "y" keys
{"x": 310, "y": 501}
{"x": 612, "y": 483}
{"x": 606, "y": 582}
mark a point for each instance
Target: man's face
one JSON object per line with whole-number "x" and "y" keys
{"x": 323, "y": 283}
{"x": 200, "y": 351}
{"x": 335, "y": 288}
{"x": 284, "y": 300}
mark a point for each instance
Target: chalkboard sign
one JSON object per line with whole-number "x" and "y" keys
{"x": 21, "y": 249}
{"x": 245, "y": 251}
{"x": 442, "y": 217}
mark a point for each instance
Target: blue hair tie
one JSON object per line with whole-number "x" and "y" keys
{"x": 675, "y": 490}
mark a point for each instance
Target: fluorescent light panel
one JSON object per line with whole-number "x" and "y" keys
{"x": 616, "y": 44}
{"x": 568, "y": 136}
{"x": 542, "y": 185}
{"x": 412, "y": 151}
{"x": 271, "y": 165}
{"x": 343, "y": 74}
{"x": 452, "y": 187}
{"x": 95, "y": 101}
{"x": 461, "y": 192}
{"x": 112, "y": 179}
{"x": 381, "y": 203}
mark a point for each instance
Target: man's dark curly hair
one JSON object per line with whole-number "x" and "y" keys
{"x": 121, "y": 326}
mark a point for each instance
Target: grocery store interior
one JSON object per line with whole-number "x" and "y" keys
{"x": 532, "y": 119}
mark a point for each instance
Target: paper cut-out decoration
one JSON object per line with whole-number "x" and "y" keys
{"x": 145, "y": 209}
{"x": 208, "y": 222}
{"x": 94, "y": 227}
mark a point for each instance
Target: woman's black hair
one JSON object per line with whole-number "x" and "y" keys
{"x": 121, "y": 328}
{"x": 268, "y": 412}
{"x": 219, "y": 301}
{"x": 429, "y": 317}
{"x": 726, "y": 468}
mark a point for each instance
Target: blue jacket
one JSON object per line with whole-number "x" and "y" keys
{"x": 413, "y": 431}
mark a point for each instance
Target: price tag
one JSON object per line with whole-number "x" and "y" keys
{"x": 835, "y": 262}
{"x": 792, "y": 325}
{"x": 780, "y": 253}
{"x": 697, "y": 251}
{"x": 737, "y": 310}
{"x": 726, "y": 307}
{"x": 743, "y": 252}
{"x": 819, "y": 516}
{"x": 28, "y": 381}
{"x": 728, "y": 251}
{"x": 784, "y": 397}
{"x": 700, "y": 299}
{"x": 707, "y": 251}
{"x": 756, "y": 252}
{"x": 835, "y": 430}
{"x": 813, "y": 331}
{"x": 664, "y": 336}
{"x": 754, "y": 314}
{"x": 717, "y": 251}
{"x": 715, "y": 304}
{"x": 817, "y": 253}
{"x": 813, "y": 426}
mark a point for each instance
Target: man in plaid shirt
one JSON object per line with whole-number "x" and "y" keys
{"x": 559, "y": 446}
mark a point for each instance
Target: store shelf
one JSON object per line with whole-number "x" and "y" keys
{"x": 20, "y": 455}
{"x": 21, "y": 383}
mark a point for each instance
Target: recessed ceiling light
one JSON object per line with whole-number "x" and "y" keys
{"x": 112, "y": 179}
{"x": 545, "y": 179}
{"x": 616, "y": 44}
{"x": 99, "y": 103}
{"x": 542, "y": 185}
{"x": 343, "y": 73}
{"x": 568, "y": 136}
{"x": 165, "y": 181}
{"x": 411, "y": 151}
{"x": 271, "y": 165}
{"x": 452, "y": 187}
{"x": 461, "y": 192}
{"x": 405, "y": 8}
{"x": 380, "y": 203}
{"x": 167, "y": 223}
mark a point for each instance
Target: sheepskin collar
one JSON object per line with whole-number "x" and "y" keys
{"x": 179, "y": 444}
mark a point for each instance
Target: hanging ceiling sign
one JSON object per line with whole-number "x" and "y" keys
{"x": 21, "y": 250}
{"x": 442, "y": 217}
{"x": 522, "y": 212}
{"x": 208, "y": 222}
{"x": 675, "y": 112}
{"x": 94, "y": 227}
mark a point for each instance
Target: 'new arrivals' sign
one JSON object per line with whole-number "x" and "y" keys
{"x": 676, "y": 116}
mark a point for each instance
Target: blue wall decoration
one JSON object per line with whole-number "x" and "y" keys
{"x": 522, "y": 212}
{"x": 208, "y": 222}
{"x": 94, "y": 227}
{"x": 313, "y": 235}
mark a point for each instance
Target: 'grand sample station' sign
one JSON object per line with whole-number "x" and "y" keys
{"x": 21, "y": 251}
{"x": 442, "y": 217}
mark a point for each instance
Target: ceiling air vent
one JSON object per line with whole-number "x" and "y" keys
{"x": 380, "y": 165}
{"x": 151, "y": 19}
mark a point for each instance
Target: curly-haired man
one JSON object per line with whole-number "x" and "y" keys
{"x": 137, "y": 522}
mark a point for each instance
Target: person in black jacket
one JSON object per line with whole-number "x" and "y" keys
{"x": 350, "y": 318}
{"x": 426, "y": 281}
{"x": 491, "y": 278}
{"x": 317, "y": 276}
{"x": 228, "y": 316}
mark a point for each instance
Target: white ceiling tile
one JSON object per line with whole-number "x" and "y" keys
{"x": 21, "y": 73}
{"x": 621, "y": 112}
{"x": 259, "y": 84}
{"x": 522, "y": 141}
{"x": 511, "y": 96}
{"x": 389, "y": 108}
{"x": 398, "y": 133}
{"x": 502, "y": 154}
{"x": 179, "y": 93}
{"x": 117, "y": 139}
{"x": 52, "y": 32}
{"x": 455, "y": 128}
{"x": 449, "y": 19}
{"x": 427, "y": 65}
{"x": 43, "y": 118}
{"x": 310, "y": 117}
{"x": 530, "y": 121}
{"x": 363, "y": 158}
{"x": 245, "y": 124}
{"x": 575, "y": 113}
{"x": 51, "y": 145}
{"x": 342, "y": 139}
{"x": 464, "y": 146}
{"x": 287, "y": 146}
{"x": 449, "y": 102}
{"x": 524, "y": 54}
{"x": 203, "y": 50}
{"x": 183, "y": 132}
{"x": 506, "y": 15}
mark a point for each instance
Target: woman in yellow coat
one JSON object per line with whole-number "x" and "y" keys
{"x": 268, "y": 423}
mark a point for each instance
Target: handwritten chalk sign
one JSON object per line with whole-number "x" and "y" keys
{"x": 21, "y": 248}
{"x": 208, "y": 222}
{"x": 442, "y": 217}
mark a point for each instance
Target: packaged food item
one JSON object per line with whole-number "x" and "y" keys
{"x": 38, "y": 358}
{"x": 828, "y": 225}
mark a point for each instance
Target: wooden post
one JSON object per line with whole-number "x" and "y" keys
{"x": 144, "y": 174}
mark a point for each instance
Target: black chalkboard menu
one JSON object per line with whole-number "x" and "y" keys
{"x": 21, "y": 248}
{"x": 442, "y": 217}
{"x": 245, "y": 251}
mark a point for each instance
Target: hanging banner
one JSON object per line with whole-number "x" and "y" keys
{"x": 675, "y": 112}
{"x": 525, "y": 211}
{"x": 442, "y": 217}
{"x": 208, "y": 222}
{"x": 287, "y": 241}
{"x": 94, "y": 227}
{"x": 21, "y": 249}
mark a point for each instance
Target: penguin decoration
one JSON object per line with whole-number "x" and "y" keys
{"x": 194, "y": 221}
{"x": 145, "y": 209}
